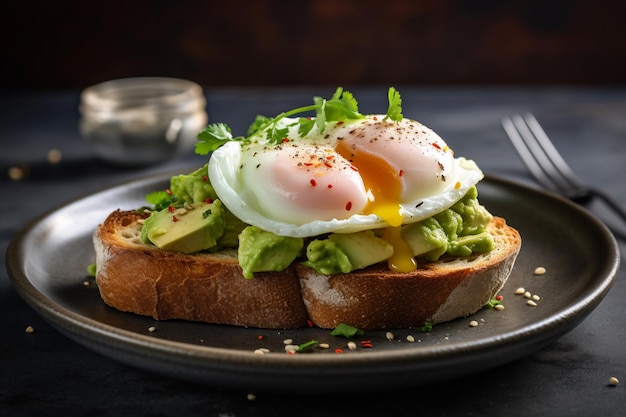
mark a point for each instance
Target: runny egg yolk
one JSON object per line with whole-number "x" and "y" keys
{"x": 381, "y": 181}
{"x": 384, "y": 188}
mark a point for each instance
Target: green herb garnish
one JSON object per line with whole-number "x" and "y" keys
{"x": 160, "y": 199}
{"x": 346, "y": 330}
{"x": 340, "y": 107}
{"x": 427, "y": 327}
{"x": 492, "y": 303}
{"x": 307, "y": 346}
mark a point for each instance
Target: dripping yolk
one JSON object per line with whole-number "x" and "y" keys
{"x": 402, "y": 259}
{"x": 381, "y": 181}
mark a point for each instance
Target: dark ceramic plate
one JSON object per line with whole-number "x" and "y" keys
{"x": 47, "y": 263}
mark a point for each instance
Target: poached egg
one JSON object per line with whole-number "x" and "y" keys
{"x": 357, "y": 174}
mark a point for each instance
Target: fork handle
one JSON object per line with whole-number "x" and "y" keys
{"x": 609, "y": 202}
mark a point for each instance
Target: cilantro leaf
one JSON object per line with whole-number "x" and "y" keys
{"x": 306, "y": 124}
{"x": 212, "y": 137}
{"x": 394, "y": 111}
{"x": 259, "y": 123}
{"x": 346, "y": 330}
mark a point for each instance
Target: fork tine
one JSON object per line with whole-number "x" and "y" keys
{"x": 554, "y": 155}
{"x": 514, "y": 133}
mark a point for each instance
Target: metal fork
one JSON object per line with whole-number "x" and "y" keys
{"x": 546, "y": 164}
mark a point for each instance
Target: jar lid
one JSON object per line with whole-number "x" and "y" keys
{"x": 154, "y": 94}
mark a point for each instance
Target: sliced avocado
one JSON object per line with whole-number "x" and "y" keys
{"x": 426, "y": 238}
{"x": 362, "y": 248}
{"x": 190, "y": 229}
{"x": 261, "y": 251}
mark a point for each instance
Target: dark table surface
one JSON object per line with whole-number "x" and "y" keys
{"x": 45, "y": 373}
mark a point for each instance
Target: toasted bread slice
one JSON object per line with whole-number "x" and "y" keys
{"x": 376, "y": 298}
{"x": 208, "y": 287}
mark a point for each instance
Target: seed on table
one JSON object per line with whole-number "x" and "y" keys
{"x": 531, "y": 303}
{"x": 520, "y": 291}
{"x": 389, "y": 336}
{"x": 540, "y": 270}
{"x": 613, "y": 381}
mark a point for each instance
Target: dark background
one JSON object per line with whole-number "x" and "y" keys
{"x": 73, "y": 44}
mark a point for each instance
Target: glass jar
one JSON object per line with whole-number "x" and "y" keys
{"x": 145, "y": 120}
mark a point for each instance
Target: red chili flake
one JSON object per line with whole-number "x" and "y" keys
{"x": 401, "y": 173}
{"x": 174, "y": 218}
{"x": 291, "y": 352}
{"x": 205, "y": 178}
{"x": 208, "y": 200}
{"x": 308, "y": 164}
{"x": 338, "y": 350}
{"x": 168, "y": 191}
{"x": 313, "y": 182}
{"x": 330, "y": 157}
{"x": 367, "y": 343}
{"x": 339, "y": 123}
{"x": 353, "y": 168}
{"x": 499, "y": 297}
{"x": 285, "y": 140}
{"x": 328, "y": 164}
{"x": 375, "y": 118}
{"x": 436, "y": 146}
{"x": 309, "y": 322}
{"x": 349, "y": 206}
{"x": 330, "y": 186}
{"x": 261, "y": 337}
{"x": 171, "y": 209}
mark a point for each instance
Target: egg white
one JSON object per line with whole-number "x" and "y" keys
{"x": 240, "y": 199}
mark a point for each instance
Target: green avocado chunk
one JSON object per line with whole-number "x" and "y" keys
{"x": 194, "y": 187}
{"x": 347, "y": 252}
{"x": 457, "y": 231}
{"x": 188, "y": 229}
{"x": 261, "y": 251}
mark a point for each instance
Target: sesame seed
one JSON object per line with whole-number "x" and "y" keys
{"x": 520, "y": 291}
{"x": 410, "y": 338}
{"x": 473, "y": 323}
{"x": 251, "y": 396}
{"x": 499, "y": 307}
{"x": 527, "y": 294}
{"x": 30, "y": 329}
{"x": 324, "y": 345}
{"x": 288, "y": 341}
{"x": 540, "y": 270}
{"x": 152, "y": 329}
{"x": 351, "y": 345}
{"x": 536, "y": 298}
{"x": 531, "y": 303}
{"x": 613, "y": 381}
{"x": 389, "y": 336}
{"x": 291, "y": 348}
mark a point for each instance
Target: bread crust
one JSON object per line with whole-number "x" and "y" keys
{"x": 209, "y": 287}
